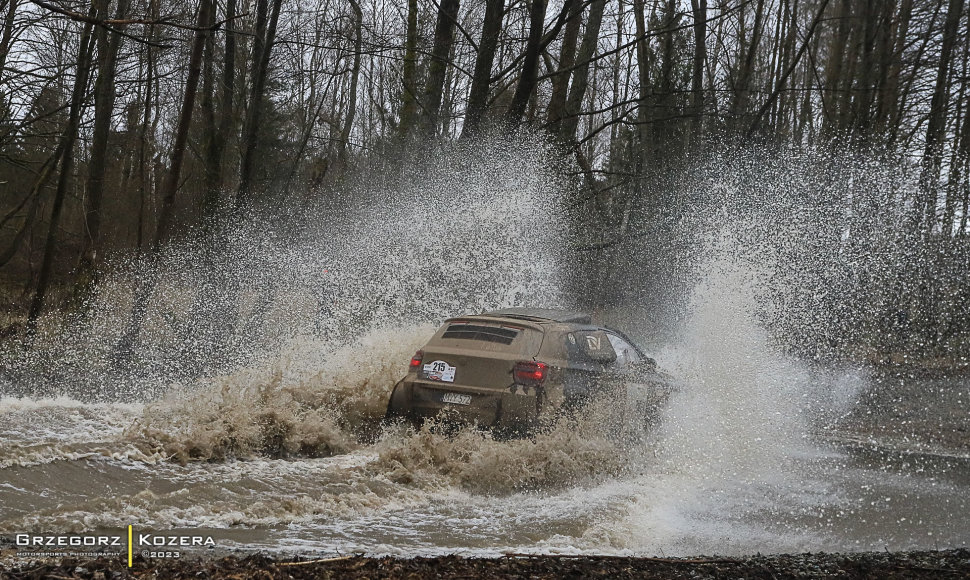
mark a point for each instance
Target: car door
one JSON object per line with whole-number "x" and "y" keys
{"x": 638, "y": 380}
{"x": 590, "y": 357}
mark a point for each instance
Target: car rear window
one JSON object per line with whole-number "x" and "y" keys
{"x": 497, "y": 334}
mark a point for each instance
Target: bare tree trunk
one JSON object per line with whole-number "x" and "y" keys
{"x": 962, "y": 232}
{"x": 478, "y": 94}
{"x": 961, "y": 152}
{"x": 104, "y": 101}
{"x": 530, "y": 66}
{"x": 779, "y": 46}
{"x": 577, "y": 91}
{"x": 567, "y": 58}
{"x": 663, "y": 109}
{"x": 444, "y": 35}
{"x": 885, "y": 41}
{"x": 846, "y": 87}
{"x": 262, "y": 48}
{"x": 144, "y": 131}
{"x": 210, "y": 193}
{"x": 354, "y": 76}
{"x": 66, "y": 147}
{"x": 643, "y": 107}
{"x": 889, "y": 96}
{"x": 7, "y": 35}
{"x": 804, "y": 128}
{"x": 699, "y": 8}
{"x": 409, "y": 98}
{"x": 447, "y": 112}
{"x": 218, "y": 133}
{"x": 171, "y": 185}
{"x": 907, "y": 91}
{"x": 936, "y": 124}
{"x": 782, "y": 106}
{"x": 249, "y": 131}
{"x": 617, "y": 96}
{"x": 782, "y": 82}
{"x": 831, "y": 96}
{"x": 872, "y": 28}
{"x": 746, "y": 56}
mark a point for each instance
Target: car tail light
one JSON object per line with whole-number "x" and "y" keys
{"x": 529, "y": 373}
{"x": 416, "y": 359}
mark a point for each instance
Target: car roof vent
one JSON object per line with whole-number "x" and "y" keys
{"x": 543, "y": 314}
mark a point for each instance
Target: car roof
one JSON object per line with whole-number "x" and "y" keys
{"x": 541, "y": 319}
{"x": 541, "y": 315}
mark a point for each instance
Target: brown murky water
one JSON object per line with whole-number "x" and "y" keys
{"x": 740, "y": 464}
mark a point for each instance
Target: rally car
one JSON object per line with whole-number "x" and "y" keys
{"x": 509, "y": 369}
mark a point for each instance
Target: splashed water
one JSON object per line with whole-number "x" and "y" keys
{"x": 472, "y": 228}
{"x": 251, "y": 401}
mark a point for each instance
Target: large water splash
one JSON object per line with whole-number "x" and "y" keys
{"x": 839, "y": 275}
{"x": 468, "y": 228}
{"x": 286, "y": 339}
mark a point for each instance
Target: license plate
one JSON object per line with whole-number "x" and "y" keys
{"x": 456, "y": 399}
{"x": 439, "y": 370}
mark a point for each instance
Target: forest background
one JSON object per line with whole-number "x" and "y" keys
{"x": 125, "y": 124}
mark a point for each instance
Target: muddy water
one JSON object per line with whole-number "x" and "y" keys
{"x": 735, "y": 467}
{"x": 822, "y": 498}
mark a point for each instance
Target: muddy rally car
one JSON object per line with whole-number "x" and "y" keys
{"x": 511, "y": 369}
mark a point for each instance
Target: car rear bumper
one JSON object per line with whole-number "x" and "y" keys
{"x": 421, "y": 400}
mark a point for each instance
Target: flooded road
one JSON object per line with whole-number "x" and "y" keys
{"x": 70, "y": 467}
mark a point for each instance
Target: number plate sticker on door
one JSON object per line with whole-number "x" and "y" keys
{"x": 456, "y": 398}
{"x": 439, "y": 370}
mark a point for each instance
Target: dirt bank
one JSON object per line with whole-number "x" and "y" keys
{"x": 936, "y": 564}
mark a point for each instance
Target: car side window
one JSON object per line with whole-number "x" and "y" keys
{"x": 626, "y": 354}
{"x": 590, "y": 346}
